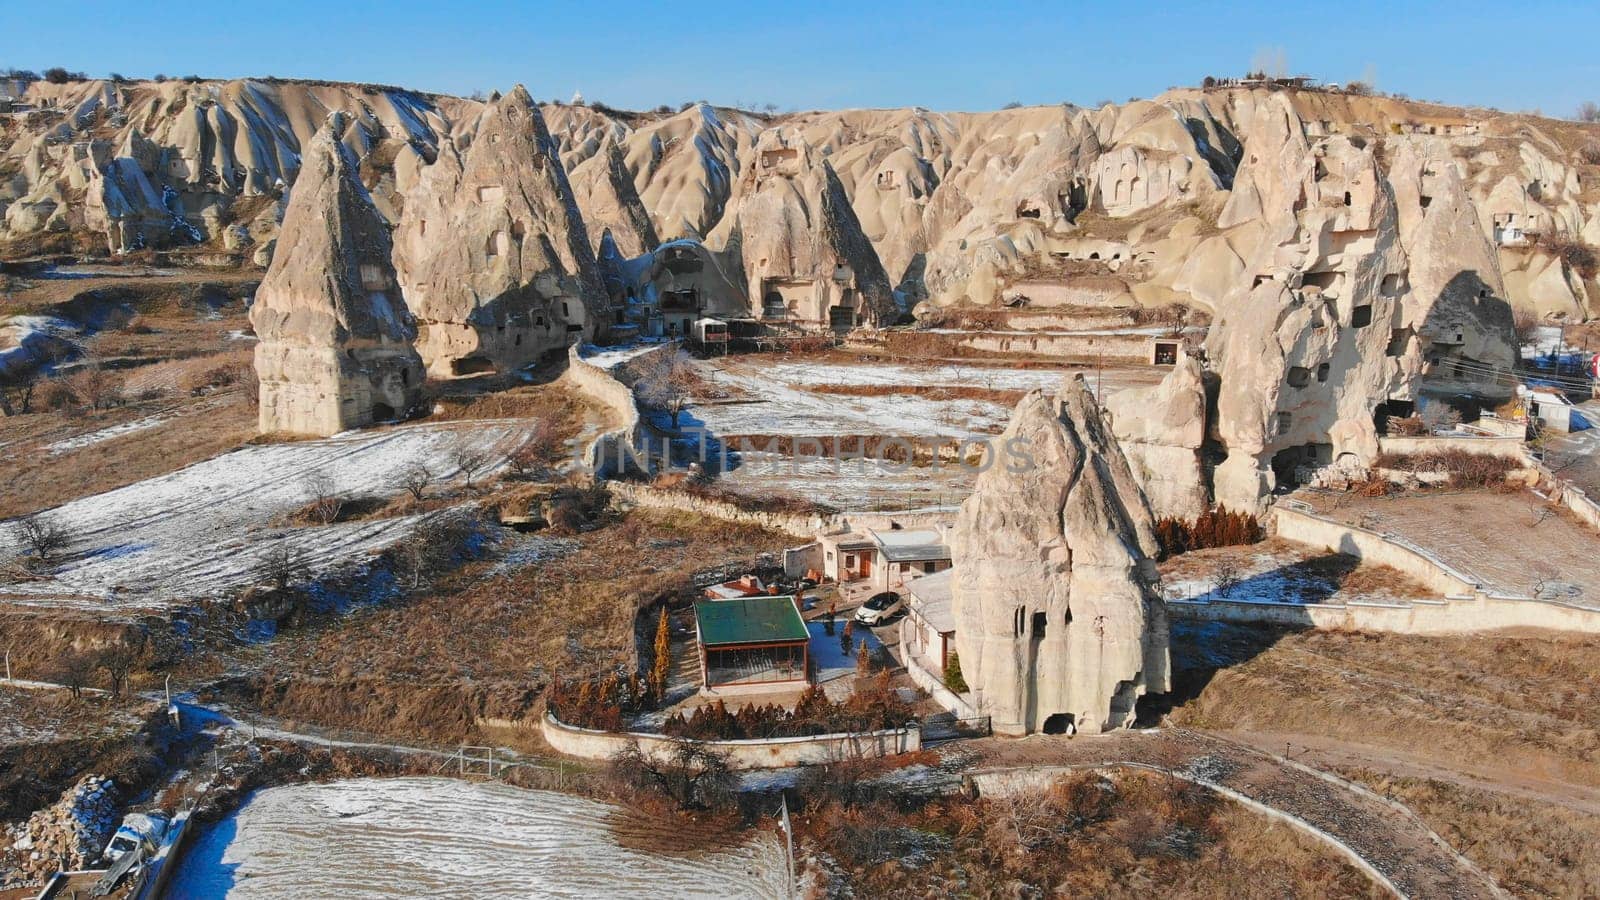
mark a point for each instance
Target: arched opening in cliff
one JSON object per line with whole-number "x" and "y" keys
{"x": 1060, "y": 723}
{"x": 471, "y": 365}
{"x": 1295, "y": 466}
{"x": 1391, "y": 408}
{"x": 382, "y": 412}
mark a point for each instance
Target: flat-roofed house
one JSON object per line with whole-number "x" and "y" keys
{"x": 907, "y": 554}
{"x": 929, "y": 628}
{"x": 752, "y": 643}
{"x": 885, "y": 559}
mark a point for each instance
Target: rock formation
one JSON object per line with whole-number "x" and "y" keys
{"x": 1326, "y": 335}
{"x": 806, "y": 260}
{"x": 1162, "y": 430}
{"x": 178, "y": 163}
{"x": 492, "y": 252}
{"x": 335, "y": 347}
{"x": 1058, "y": 624}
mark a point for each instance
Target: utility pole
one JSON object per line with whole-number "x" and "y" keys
{"x": 788, "y": 849}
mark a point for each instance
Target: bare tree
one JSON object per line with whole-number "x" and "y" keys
{"x": 1226, "y": 576}
{"x": 326, "y": 503}
{"x": 1440, "y": 417}
{"x": 282, "y": 565}
{"x": 73, "y": 671}
{"x": 16, "y": 398}
{"x": 469, "y": 459}
{"x": 532, "y": 458}
{"x": 669, "y": 383}
{"x": 692, "y": 775}
{"x": 117, "y": 660}
{"x": 415, "y": 480}
{"x": 41, "y": 536}
{"x": 95, "y": 388}
{"x": 1588, "y": 111}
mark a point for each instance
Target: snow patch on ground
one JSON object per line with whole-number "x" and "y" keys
{"x": 104, "y": 434}
{"x": 203, "y": 530}
{"x": 409, "y": 837}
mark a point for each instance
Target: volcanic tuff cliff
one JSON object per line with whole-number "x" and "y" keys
{"x": 958, "y": 206}
{"x": 492, "y": 251}
{"x": 1058, "y": 622}
{"x": 335, "y": 347}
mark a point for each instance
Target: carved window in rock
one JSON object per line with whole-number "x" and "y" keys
{"x": 1299, "y": 376}
{"x": 491, "y": 193}
{"x": 1019, "y": 618}
{"x": 1361, "y": 316}
{"x": 1040, "y": 624}
{"x": 1285, "y": 422}
{"x": 497, "y": 244}
{"x": 373, "y": 277}
{"x": 519, "y": 231}
{"x": 1322, "y": 372}
{"x": 1392, "y": 284}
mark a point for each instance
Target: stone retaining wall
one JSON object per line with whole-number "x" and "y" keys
{"x": 1314, "y": 530}
{"x": 609, "y": 454}
{"x": 797, "y": 524}
{"x": 1451, "y": 615}
{"x": 1511, "y": 448}
{"x": 1464, "y": 605}
{"x": 773, "y": 753}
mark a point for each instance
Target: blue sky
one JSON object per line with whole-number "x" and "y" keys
{"x": 810, "y": 54}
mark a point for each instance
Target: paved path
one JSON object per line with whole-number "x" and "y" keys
{"x": 1389, "y": 839}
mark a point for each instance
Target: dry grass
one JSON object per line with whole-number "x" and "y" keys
{"x": 1532, "y": 849}
{"x": 200, "y": 429}
{"x": 1503, "y": 701}
{"x": 485, "y": 642}
{"x": 1127, "y": 835}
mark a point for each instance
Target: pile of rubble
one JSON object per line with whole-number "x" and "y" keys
{"x": 68, "y": 834}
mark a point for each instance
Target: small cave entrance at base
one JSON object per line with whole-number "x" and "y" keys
{"x": 382, "y": 412}
{"x": 1399, "y": 409}
{"x": 472, "y": 365}
{"x": 1292, "y": 466}
{"x": 1060, "y": 723}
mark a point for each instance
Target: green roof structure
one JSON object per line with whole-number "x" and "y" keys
{"x": 750, "y": 620}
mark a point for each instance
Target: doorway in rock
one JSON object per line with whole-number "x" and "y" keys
{"x": 471, "y": 365}
{"x": 1060, "y": 723}
{"x": 1294, "y": 466}
{"x": 1391, "y": 408}
{"x": 382, "y": 412}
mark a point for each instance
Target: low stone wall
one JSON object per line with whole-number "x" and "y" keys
{"x": 1511, "y": 448}
{"x": 1110, "y": 346}
{"x": 797, "y": 524}
{"x": 1451, "y": 615}
{"x": 1463, "y": 607}
{"x": 1313, "y": 530}
{"x": 1577, "y": 501}
{"x": 609, "y": 454}
{"x": 665, "y": 498}
{"x": 773, "y": 753}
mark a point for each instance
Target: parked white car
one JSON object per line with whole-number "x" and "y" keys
{"x": 136, "y": 829}
{"x": 880, "y": 608}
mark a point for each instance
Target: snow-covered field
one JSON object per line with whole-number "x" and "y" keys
{"x": 437, "y": 837}
{"x": 857, "y": 484}
{"x": 203, "y": 530}
{"x": 777, "y": 401}
{"x": 105, "y": 434}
